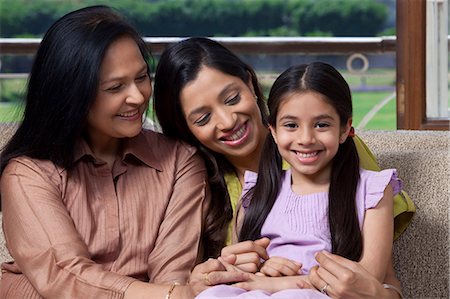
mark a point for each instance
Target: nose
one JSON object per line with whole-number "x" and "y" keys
{"x": 226, "y": 119}
{"x": 135, "y": 96}
{"x": 306, "y": 136}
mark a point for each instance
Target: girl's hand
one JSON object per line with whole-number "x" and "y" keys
{"x": 213, "y": 272}
{"x": 248, "y": 254}
{"x": 280, "y": 266}
{"x": 274, "y": 284}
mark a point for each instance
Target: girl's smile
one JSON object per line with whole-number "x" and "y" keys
{"x": 307, "y": 157}
{"x": 308, "y": 133}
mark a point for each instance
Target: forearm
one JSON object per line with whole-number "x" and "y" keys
{"x": 391, "y": 279}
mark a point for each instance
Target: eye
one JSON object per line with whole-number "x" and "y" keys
{"x": 290, "y": 125}
{"x": 233, "y": 100}
{"x": 322, "y": 125}
{"x": 142, "y": 78}
{"x": 203, "y": 120}
{"x": 114, "y": 88}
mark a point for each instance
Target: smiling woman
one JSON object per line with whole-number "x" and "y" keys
{"x": 93, "y": 205}
{"x": 122, "y": 99}
{"x": 223, "y": 106}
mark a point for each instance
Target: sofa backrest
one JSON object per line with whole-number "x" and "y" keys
{"x": 421, "y": 253}
{"x": 422, "y": 158}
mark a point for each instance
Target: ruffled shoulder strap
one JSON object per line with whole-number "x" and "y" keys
{"x": 250, "y": 179}
{"x": 376, "y": 183}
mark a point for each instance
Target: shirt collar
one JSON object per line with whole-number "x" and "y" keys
{"x": 139, "y": 146}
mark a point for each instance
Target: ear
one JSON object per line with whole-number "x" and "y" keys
{"x": 345, "y": 130}
{"x": 274, "y": 133}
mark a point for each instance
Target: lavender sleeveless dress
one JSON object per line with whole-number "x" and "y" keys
{"x": 298, "y": 227}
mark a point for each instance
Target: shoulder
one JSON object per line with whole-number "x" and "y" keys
{"x": 162, "y": 144}
{"x": 29, "y": 169}
{"x": 373, "y": 183}
{"x": 163, "y": 152}
{"x": 380, "y": 178}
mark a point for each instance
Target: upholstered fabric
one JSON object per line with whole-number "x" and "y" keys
{"x": 421, "y": 254}
{"x": 422, "y": 158}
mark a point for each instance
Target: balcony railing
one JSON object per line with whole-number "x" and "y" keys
{"x": 268, "y": 45}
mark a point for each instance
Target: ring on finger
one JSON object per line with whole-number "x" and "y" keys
{"x": 323, "y": 290}
{"x": 206, "y": 279}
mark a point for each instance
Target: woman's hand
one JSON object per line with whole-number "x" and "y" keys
{"x": 345, "y": 279}
{"x": 280, "y": 266}
{"x": 213, "y": 272}
{"x": 248, "y": 254}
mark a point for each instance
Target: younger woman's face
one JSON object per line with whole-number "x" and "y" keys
{"x": 308, "y": 133}
{"x": 222, "y": 113}
{"x": 123, "y": 93}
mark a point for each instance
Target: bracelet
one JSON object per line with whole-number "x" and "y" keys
{"x": 172, "y": 287}
{"x": 389, "y": 286}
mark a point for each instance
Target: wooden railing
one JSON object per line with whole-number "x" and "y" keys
{"x": 269, "y": 45}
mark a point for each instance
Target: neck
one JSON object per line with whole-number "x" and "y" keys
{"x": 307, "y": 184}
{"x": 105, "y": 149}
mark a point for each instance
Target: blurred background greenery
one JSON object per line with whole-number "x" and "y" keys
{"x": 219, "y": 18}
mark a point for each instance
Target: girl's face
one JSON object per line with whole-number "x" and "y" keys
{"x": 222, "y": 113}
{"x": 308, "y": 133}
{"x": 123, "y": 93}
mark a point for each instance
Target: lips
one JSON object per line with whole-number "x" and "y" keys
{"x": 307, "y": 157}
{"x": 129, "y": 114}
{"x": 237, "y": 136}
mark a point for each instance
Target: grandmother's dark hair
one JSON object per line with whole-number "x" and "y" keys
{"x": 324, "y": 79}
{"x": 63, "y": 83}
{"x": 180, "y": 64}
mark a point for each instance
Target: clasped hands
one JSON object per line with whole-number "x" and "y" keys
{"x": 246, "y": 265}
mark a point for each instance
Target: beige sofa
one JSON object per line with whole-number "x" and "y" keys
{"x": 421, "y": 254}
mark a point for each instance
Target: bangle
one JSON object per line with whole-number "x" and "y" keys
{"x": 172, "y": 287}
{"x": 389, "y": 286}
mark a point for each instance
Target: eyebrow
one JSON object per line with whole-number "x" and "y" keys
{"x": 221, "y": 94}
{"x": 117, "y": 78}
{"x": 318, "y": 117}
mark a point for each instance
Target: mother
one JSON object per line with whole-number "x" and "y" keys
{"x": 206, "y": 96}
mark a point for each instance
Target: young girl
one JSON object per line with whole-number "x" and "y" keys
{"x": 325, "y": 201}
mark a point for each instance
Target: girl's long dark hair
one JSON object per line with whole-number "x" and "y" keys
{"x": 180, "y": 64}
{"x": 346, "y": 238}
{"x": 63, "y": 84}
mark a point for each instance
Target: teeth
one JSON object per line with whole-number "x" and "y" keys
{"x": 128, "y": 114}
{"x": 307, "y": 155}
{"x": 237, "y": 135}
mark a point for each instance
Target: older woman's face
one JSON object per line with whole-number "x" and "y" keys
{"x": 222, "y": 113}
{"x": 123, "y": 93}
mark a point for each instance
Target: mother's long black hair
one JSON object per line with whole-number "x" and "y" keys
{"x": 63, "y": 84}
{"x": 180, "y": 64}
{"x": 322, "y": 78}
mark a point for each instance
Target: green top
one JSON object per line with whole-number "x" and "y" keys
{"x": 403, "y": 206}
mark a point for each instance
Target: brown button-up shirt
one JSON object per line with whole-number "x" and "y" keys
{"x": 91, "y": 231}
